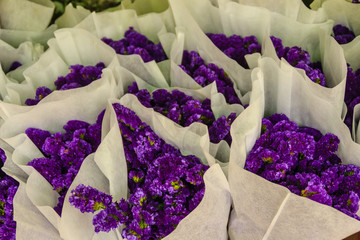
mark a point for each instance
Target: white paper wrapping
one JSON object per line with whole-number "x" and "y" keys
{"x": 145, "y": 6}
{"x": 72, "y": 16}
{"x": 214, "y": 208}
{"x": 16, "y": 37}
{"x": 26, "y": 54}
{"x": 26, "y": 15}
{"x": 341, "y": 11}
{"x": 264, "y": 210}
{"x": 347, "y": 14}
{"x": 294, "y": 9}
{"x": 26, "y": 20}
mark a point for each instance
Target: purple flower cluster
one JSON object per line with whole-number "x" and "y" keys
{"x": 355, "y": 1}
{"x": 304, "y": 161}
{"x": 64, "y": 153}
{"x": 343, "y": 34}
{"x": 79, "y": 76}
{"x": 205, "y": 74}
{"x": 14, "y": 66}
{"x": 136, "y": 43}
{"x": 8, "y": 188}
{"x": 164, "y": 186}
{"x": 184, "y": 110}
{"x": 301, "y": 59}
{"x": 352, "y": 94}
{"x": 235, "y": 46}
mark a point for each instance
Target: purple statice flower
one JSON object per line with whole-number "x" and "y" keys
{"x": 299, "y": 58}
{"x": 136, "y": 43}
{"x": 164, "y": 186}
{"x": 88, "y": 199}
{"x": 343, "y": 34}
{"x": 8, "y": 188}
{"x": 355, "y": 1}
{"x": 352, "y": 94}
{"x": 304, "y": 160}
{"x": 41, "y": 92}
{"x": 14, "y": 66}
{"x": 64, "y": 154}
{"x": 184, "y": 110}
{"x": 205, "y": 74}
{"x": 79, "y": 76}
{"x": 235, "y": 46}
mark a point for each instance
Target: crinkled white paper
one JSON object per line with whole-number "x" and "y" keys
{"x": 26, "y": 15}
{"x": 293, "y": 9}
{"x": 145, "y": 6}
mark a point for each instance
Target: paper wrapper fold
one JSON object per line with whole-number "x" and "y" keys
{"x": 294, "y": 9}
{"x": 72, "y": 16}
{"x": 145, "y": 6}
{"x": 26, "y": 15}
{"x": 264, "y": 210}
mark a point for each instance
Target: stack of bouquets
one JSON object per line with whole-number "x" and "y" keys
{"x": 144, "y": 127}
{"x": 346, "y": 31}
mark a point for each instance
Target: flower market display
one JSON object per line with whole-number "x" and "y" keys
{"x": 179, "y": 119}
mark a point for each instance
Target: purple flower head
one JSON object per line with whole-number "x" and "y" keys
{"x": 14, "y": 66}
{"x": 64, "y": 153}
{"x": 37, "y": 136}
{"x": 311, "y": 131}
{"x": 107, "y": 219}
{"x": 79, "y": 76}
{"x": 220, "y": 129}
{"x": 164, "y": 186}
{"x": 136, "y": 43}
{"x": 8, "y": 188}
{"x": 259, "y": 158}
{"x": 236, "y": 47}
{"x": 2, "y": 156}
{"x": 205, "y": 74}
{"x": 127, "y": 117}
{"x": 301, "y": 59}
{"x": 185, "y": 110}
{"x": 348, "y": 201}
{"x": 277, "y": 117}
{"x": 326, "y": 146}
{"x": 89, "y": 199}
{"x": 191, "y": 61}
{"x": 306, "y": 164}
{"x": 41, "y": 92}
{"x": 317, "y": 193}
{"x": 266, "y": 125}
{"x": 343, "y": 34}
{"x": 279, "y": 48}
{"x": 296, "y": 55}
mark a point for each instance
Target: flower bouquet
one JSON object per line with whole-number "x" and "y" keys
{"x": 263, "y": 209}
